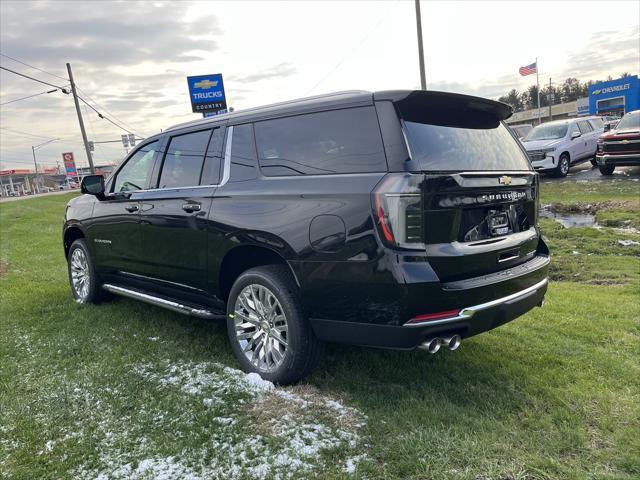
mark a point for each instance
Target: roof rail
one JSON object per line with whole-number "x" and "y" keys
{"x": 271, "y": 105}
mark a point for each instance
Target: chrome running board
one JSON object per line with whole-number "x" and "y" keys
{"x": 161, "y": 302}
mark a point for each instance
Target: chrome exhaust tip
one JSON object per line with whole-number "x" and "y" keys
{"x": 452, "y": 342}
{"x": 431, "y": 346}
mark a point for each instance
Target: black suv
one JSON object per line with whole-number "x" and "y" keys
{"x": 396, "y": 219}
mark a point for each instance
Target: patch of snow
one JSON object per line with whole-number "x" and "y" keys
{"x": 628, "y": 243}
{"x": 260, "y": 431}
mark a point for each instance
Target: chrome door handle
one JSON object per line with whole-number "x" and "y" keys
{"x": 191, "y": 207}
{"x": 134, "y": 207}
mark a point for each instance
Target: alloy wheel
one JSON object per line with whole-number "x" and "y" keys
{"x": 80, "y": 275}
{"x": 261, "y": 327}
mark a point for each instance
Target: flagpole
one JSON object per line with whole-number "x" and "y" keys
{"x": 538, "y": 82}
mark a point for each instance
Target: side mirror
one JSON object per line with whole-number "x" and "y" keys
{"x": 607, "y": 127}
{"x": 93, "y": 185}
{"x": 575, "y": 135}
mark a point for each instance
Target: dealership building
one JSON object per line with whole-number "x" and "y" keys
{"x": 615, "y": 97}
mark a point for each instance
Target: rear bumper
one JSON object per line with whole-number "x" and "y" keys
{"x": 618, "y": 160}
{"x": 470, "y": 321}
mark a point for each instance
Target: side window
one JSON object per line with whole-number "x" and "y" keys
{"x": 183, "y": 161}
{"x": 574, "y": 129}
{"x": 244, "y": 164}
{"x": 213, "y": 159}
{"x": 585, "y": 127}
{"x": 133, "y": 174}
{"x": 338, "y": 141}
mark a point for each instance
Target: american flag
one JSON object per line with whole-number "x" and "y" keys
{"x": 529, "y": 69}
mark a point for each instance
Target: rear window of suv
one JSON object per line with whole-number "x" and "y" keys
{"x": 332, "y": 142}
{"x": 440, "y": 148}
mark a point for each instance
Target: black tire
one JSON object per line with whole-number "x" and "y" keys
{"x": 606, "y": 169}
{"x": 93, "y": 292}
{"x": 303, "y": 350}
{"x": 593, "y": 162}
{"x": 564, "y": 163}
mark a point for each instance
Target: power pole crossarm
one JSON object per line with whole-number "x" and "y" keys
{"x": 423, "y": 77}
{"x": 84, "y": 134}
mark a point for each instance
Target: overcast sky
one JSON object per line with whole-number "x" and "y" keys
{"x": 132, "y": 58}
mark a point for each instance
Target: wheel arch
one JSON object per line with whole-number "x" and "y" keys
{"x": 243, "y": 257}
{"x": 71, "y": 234}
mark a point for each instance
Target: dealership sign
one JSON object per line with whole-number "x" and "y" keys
{"x": 207, "y": 94}
{"x": 70, "y": 165}
{"x": 614, "y": 88}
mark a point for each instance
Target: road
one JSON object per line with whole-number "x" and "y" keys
{"x": 24, "y": 197}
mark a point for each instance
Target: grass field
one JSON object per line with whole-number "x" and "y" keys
{"x": 125, "y": 390}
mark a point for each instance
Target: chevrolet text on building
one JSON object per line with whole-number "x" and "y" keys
{"x": 615, "y": 88}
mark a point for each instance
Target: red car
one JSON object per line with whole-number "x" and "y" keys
{"x": 620, "y": 147}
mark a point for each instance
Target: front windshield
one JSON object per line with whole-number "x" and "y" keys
{"x": 630, "y": 121}
{"x": 547, "y": 132}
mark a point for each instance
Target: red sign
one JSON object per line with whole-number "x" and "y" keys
{"x": 70, "y": 165}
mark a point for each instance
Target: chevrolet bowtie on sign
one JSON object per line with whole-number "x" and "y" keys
{"x": 207, "y": 94}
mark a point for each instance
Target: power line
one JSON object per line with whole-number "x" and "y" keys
{"x": 64, "y": 90}
{"x": 107, "y": 110}
{"x": 24, "y": 133}
{"x": 30, "y": 96}
{"x": 101, "y": 115}
{"x": 31, "y": 66}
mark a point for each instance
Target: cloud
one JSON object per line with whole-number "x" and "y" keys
{"x": 285, "y": 69}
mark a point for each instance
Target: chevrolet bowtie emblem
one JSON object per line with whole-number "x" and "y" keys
{"x": 625, "y": 141}
{"x": 504, "y": 180}
{"x": 205, "y": 84}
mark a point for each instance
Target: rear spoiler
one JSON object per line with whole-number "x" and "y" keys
{"x": 445, "y": 108}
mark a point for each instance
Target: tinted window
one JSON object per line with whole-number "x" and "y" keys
{"x": 585, "y": 127}
{"x": 454, "y": 148}
{"x": 630, "y": 121}
{"x": 550, "y": 131}
{"x": 243, "y": 154}
{"x": 133, "y": 174}
{"x": 183, "y": 160}
{"x": 340, "y": 141}
{"x": 213, "y": 159}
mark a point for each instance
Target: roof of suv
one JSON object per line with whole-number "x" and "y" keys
{"x": 351, "y": 98}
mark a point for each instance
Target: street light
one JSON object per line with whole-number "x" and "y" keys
{"x": 33, "y": 151}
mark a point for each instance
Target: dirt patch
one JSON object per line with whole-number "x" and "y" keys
{"x": 594, "y": 207}
{"x": 4, "y": 268}
{"x": 302, "y": 400}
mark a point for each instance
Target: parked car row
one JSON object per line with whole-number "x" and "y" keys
{"x": 553, "y": 147}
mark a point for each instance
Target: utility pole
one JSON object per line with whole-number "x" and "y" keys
{"x": 423, "y": 78}
{"x": 84, "y": 134}
{"x": 550, "y": 100}
{"x": 35, "y": 164}
{"x": 538, "y": 84}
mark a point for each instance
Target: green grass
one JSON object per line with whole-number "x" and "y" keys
{"x": 554, "y": 394}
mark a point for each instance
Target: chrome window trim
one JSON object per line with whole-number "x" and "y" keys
{"x": 225, "y": 172}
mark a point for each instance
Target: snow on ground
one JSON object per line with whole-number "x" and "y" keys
{"x": 248, "y": 428}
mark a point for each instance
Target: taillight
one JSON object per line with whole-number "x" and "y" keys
{"x": 398, "y": 211}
